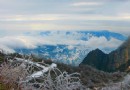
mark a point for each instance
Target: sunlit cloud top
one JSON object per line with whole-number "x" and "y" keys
{"x": 31, "y": 15}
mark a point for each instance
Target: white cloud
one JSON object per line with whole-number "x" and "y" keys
{"x": 102, "y": 42}
{"x": 6, "y": 49}
{"x": 37, "y": 17}
{"x": 21, "y": 23}
{"x": 32, "y": 41}
{"x": 17, "y": 42}
{"x": 86, "y": 3}
{"x": 56, "y": 17}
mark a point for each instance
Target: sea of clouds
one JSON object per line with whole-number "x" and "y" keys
{"x": 33, "y": 40}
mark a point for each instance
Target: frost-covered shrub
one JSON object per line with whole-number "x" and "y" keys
{"x": 21, "y": 74}
{"x": 123, "y": 85}
{"x": 11, "y": 75}
{"x": 126, "y": 82}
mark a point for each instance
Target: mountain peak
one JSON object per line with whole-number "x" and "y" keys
{"x": 97, "y": 59}
{"x": 98, "y": 50}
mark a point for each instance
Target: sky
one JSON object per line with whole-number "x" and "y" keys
{"x": 18, "y": 16}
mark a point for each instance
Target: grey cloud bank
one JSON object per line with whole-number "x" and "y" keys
{"x": 32, "y": 15}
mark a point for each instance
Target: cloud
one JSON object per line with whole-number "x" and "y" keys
{"x": 56, "y": 17}
{"x": 23, "y": 15}
{"x": 6, "y": 49}
{"x": 38, "y": 17}
{"x": 34, "y": 40}
{"x": 22, "y": 23}
{"x": 86, "y": 3}
{"x": 16, "y": 42}
{"x": 102, "y": 42}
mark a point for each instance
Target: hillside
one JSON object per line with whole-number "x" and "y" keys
{"x": 116, "y": 60}
{"x": 121, "y": 55}
{"x": 89, "y": 76}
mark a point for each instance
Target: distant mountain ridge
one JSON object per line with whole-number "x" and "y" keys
{"x": 118, "y": 59}
{"x": 85, "y": 35}
{"x": 70, "y": 47}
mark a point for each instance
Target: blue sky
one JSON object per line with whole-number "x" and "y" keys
{"x": 18, "y": 16}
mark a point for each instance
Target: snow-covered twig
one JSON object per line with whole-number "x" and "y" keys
{"x": 39, "y": 73}
{"x": 47, "y": 77}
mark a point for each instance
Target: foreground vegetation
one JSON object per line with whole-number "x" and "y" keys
{"x": 63, "y": 77}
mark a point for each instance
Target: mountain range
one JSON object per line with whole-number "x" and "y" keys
{"x": 70, "y": 47}
{"x": 118, "y": 59}
{"x": 84, "y": 35}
